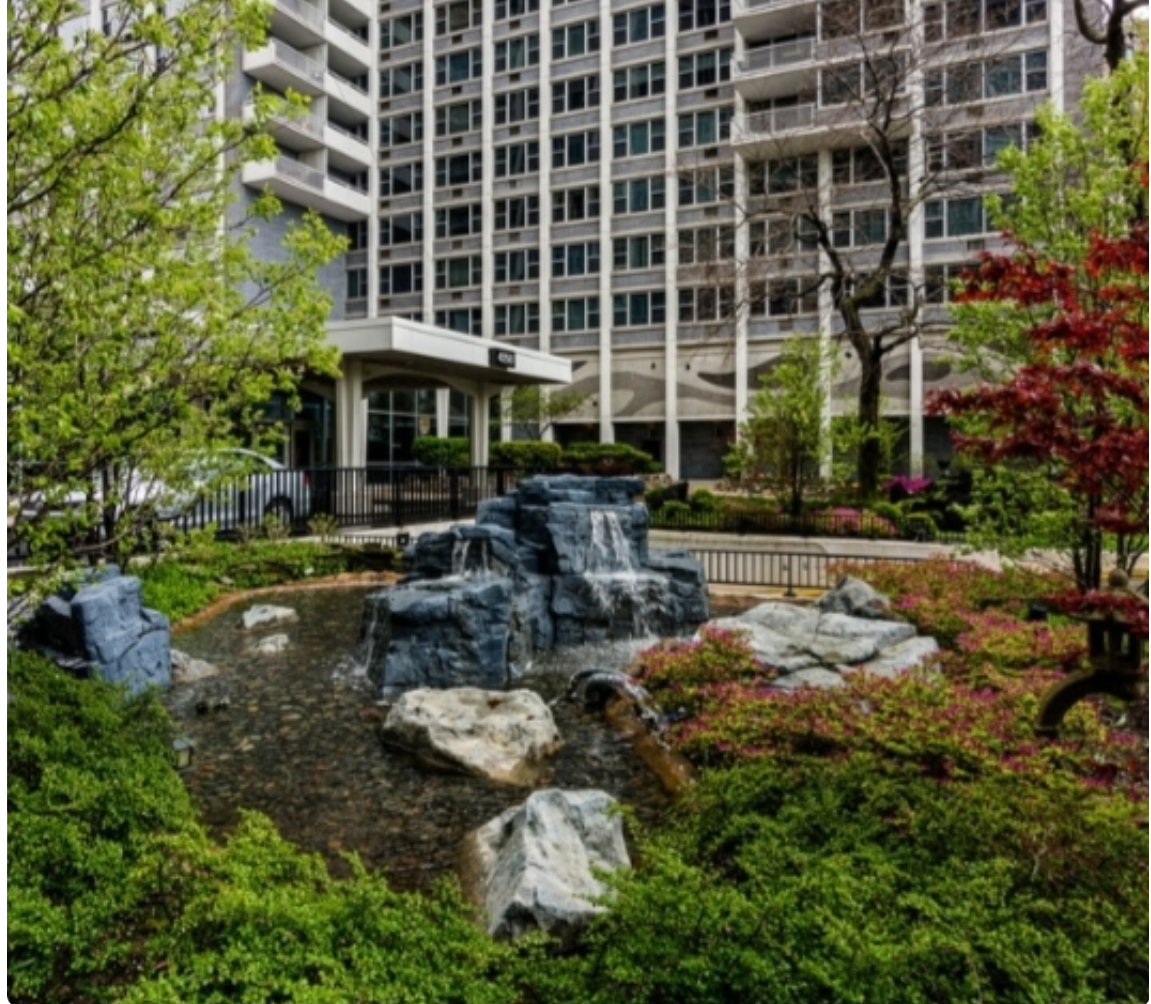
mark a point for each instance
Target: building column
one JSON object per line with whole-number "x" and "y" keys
{"x": 351, "y": 416}
{"x": 478, "y": 404}
{"x": 443, "y": 411}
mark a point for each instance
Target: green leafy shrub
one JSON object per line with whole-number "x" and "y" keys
{"x": 656, "y": 497}
{"x": 848, "y": 880}
{"x": 676, "y": 672}
{"x": 527, "y": 455}
{"x": 703, "y": 501}
{"x": 91, "y": 797}
{"x": 671, "y": 512}
{"x": 442, "y": 451}
{"x": 608, "y": 459}
{"x": 887, "y": 510}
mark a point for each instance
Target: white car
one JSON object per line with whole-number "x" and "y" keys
{"x": 240, "y": 488}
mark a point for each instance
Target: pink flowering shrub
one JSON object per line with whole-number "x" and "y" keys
{"x": 677, "y": 672}
{"x": 844, "y": 521}
{"x": 996, "y": 643}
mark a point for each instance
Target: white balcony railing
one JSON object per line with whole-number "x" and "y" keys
{"x": 309, "y": 124}
{"x": 745, "y": 6}
{"x": 306, "y": 12}
{"x": 770, "y": 57}
{"x": 776, "y": 121}
{"x": 285, "y": 55}
{"x": 308, "y": 176}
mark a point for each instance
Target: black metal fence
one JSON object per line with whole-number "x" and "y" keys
{"x": 854, "y": 525}
{"x": 347, "y": 497}
{"x": 794, "y": 570}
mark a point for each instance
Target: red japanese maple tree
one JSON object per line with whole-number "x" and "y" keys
{"x": 1079, "y": 406}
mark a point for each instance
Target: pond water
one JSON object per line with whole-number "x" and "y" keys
{"x": 296, "y": 736}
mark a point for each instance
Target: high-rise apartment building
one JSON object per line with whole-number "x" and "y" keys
{"x": 632, "y": 186}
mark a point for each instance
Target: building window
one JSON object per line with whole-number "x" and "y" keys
{"x": 517, "y": 319}
{"x": 858, "y": 227}
{"x": 515, "y": 8}
{"x": 459, "y": 15}
{"x": 401, "y": 179}
{"x": 706, "y": 244}
{"x": 462, "y": 117}
{"x": 459, "y": 221}
{"x": 518, "y": 213}
{"x": 517, "y": 106}
{"x": 398, "y": 279}
{"x": 638, "y": 195}
{"x": 572, "y": 204}
{"x": 706, "y": 303}
{"x": 791, "y": 174}
{"x": 706, "y": 184}
{"x": 459, "y": 273}
{"x": 575, "y": 94}
{"x": 575, "y": 259}
{"x": 954, "y": 217}
{"x": 357, "y": 284}
{"x": 401, "y": 30}
{"x": 459, "y": 67}
{"x": 703, "y": 13}
{"x": 465, "y": 320}
{"x": 639, "y": 252}
{"x": 1005, "y": 76}
{"x": 638, "y": 138}
{"x": 458, "y": 170}
{"x": 964, "y": 18}
{"x": 517, "y": 53}
{"x": 577, "y": 314}
{"x": 782, "y": 235}
{"x": 639, "y": 25}
{"x": 637, "y": 82}
{"x": 574, "y": 40}
{"x": 407, "y": 228}
{"x": 402, "y": 129}
{"x": 399, "y": 80}
{"x": 357, "y": 234}
{"x": 704, "y": 69}
{"x": 575, "y": 148}
{"x": 517, "y": 158}
{"x": 517, "y": 266}
{"x": 785, "y": 297}
{"x": 638, "y": 310}
{"x": 705, "y": 128}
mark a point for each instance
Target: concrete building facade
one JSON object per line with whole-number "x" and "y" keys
{"x": 605, "y": 182}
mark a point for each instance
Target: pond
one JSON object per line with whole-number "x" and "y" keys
{"x": 295, "y": 735}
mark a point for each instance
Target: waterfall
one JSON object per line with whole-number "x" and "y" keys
{"x": 609, "y": 552}
{"x": 470, "y": 562}
{"x": 611, "y": 573}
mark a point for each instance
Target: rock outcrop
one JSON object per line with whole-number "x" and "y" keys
{"x": 101, "y": 628}
{"x": 502, "y": 737}
{"x": 817, "y": 646}
{"x": 558, "y": 562}
{"x": 533, "y": 867}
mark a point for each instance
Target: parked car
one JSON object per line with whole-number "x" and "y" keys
{"x": 235, "y": 488}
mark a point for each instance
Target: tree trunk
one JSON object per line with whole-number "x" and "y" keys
{"x": 870, "y": 452}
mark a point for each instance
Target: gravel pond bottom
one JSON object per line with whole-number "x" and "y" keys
{"x": 295, "y": 735}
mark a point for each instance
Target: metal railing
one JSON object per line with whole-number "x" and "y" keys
{"x": 861, "y": 526}
{"x": 300, "y": 172}
{"x": 311, "y": 124}
{"x": 292, "y": 58}
{"x": 792, "y": 569}
{"x": 769, "y": 57}
{"x": 749, "y": 5}
{"x": 777, "y": 120}
{"x": 304, "y": 11}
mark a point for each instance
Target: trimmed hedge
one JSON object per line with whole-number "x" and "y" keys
{"x": 442, "y": 451}
{"x": 608, "y": 459}
{"x": 526, "y": 454}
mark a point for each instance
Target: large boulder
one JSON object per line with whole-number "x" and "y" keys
{"x": 443, "y": 633}
{"x": 500, "y": 736}
{"x": 811, "y": 647}
{"x": 533, "y": 867}
{"x": 855, "y": 598}
{"x": 102, "y": 628}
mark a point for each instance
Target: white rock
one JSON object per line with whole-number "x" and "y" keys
{"x": 900, "y": 658}
{"x": 824, "y": 679}
{"x": 265, "y": 615}
{"x": 501, "y": 735}
{"x": 533, "y": 866}
{"x": 271, "y": 645}
{"x": 186, "y": 669}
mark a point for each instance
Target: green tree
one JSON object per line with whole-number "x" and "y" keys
{"x": 785, "y": 438}
{"x": 531, "y": 411}
{"x": 1073, "y": 185}
{"x": 141, "y": 328}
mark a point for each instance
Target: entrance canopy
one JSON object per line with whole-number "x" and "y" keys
{"x": 408, "y": 353}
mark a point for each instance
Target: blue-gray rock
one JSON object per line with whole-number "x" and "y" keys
{"x": 124, "y": 642}
{"x": 558, "y": 562}
{"x": 855, "y": 598}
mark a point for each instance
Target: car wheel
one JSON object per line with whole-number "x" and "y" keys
{"x": 281, "y": 511}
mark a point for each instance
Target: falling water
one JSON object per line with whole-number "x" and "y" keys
{"x": 470, "y": 559}
{"x": 610, "y": 572}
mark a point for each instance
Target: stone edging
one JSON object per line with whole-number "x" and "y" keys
{"x": 222, "y": 603}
